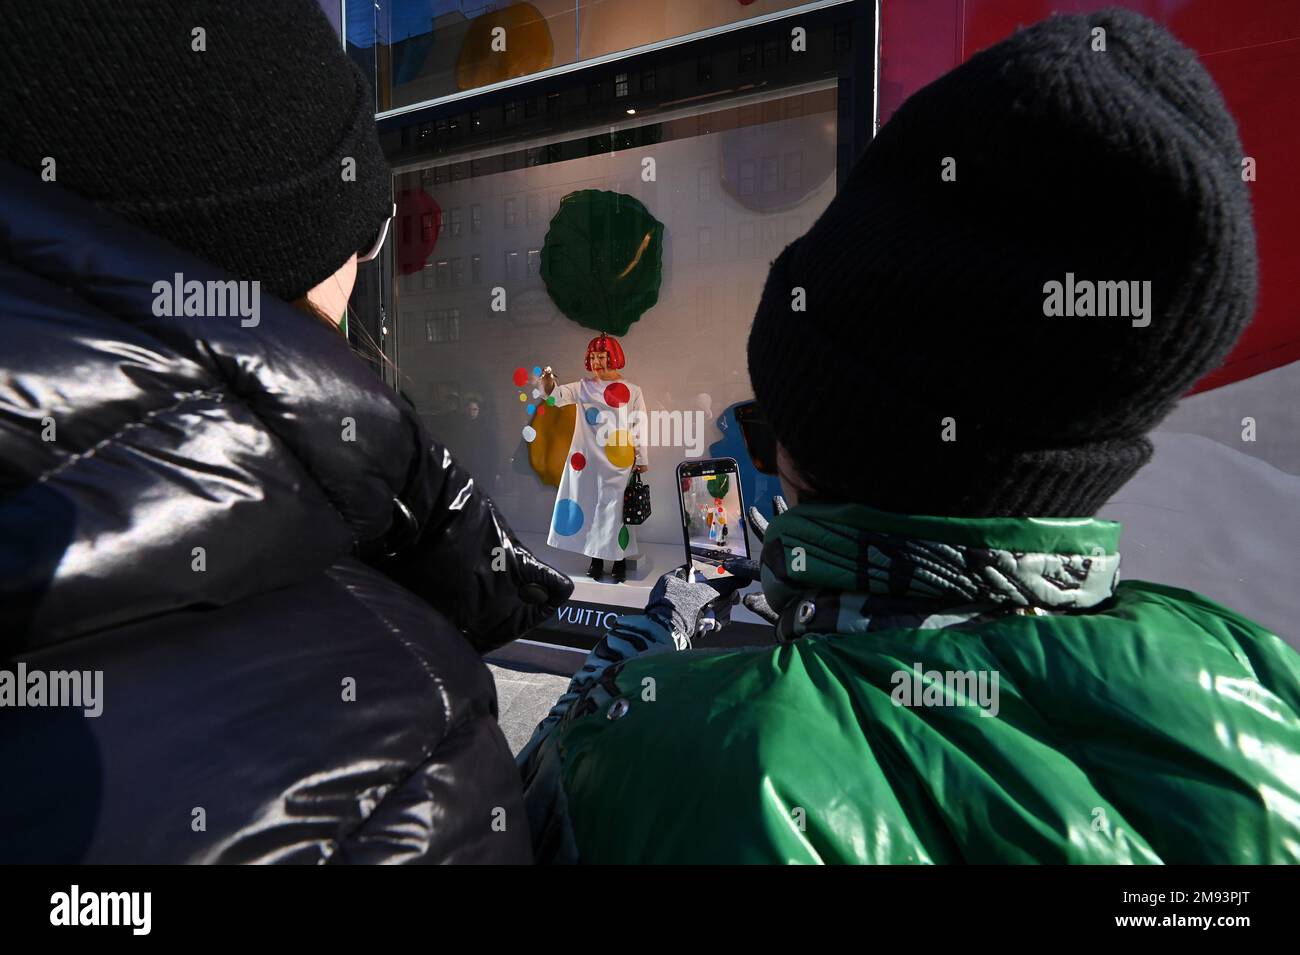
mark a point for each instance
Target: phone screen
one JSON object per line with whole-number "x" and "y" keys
{"x": 713, "y": 514}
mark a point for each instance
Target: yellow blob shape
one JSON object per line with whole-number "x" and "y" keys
{"x": 548, "y": 452}
{"x": 619, "y": 449}
{"x": 527, "y": 41}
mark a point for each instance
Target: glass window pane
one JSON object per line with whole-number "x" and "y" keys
{"x": 420, "y": 50}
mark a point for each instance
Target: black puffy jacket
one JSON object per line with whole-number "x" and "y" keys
{"x": 285, "y": 584}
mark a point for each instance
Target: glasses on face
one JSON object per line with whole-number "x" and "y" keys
{"x": 760, "y": 442}
{"x": 378, "y": 244}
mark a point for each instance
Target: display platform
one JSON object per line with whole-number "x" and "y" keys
{"x": 559, "y": 644}
{"x": 655, "y": 561}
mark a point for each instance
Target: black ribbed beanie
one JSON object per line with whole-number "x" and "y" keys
{"x": 234, "y": 152}
{"x": 925, "y": 299}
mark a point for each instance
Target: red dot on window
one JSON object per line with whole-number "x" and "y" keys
{"x": 521, "y": 377}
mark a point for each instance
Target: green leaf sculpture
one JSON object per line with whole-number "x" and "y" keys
{"x": 718, "y": 486}
{"x": 602, "y": 260}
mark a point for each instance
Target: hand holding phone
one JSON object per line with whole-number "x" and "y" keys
{"x": 713, "y": 515}
{"x": 691, "y": 607}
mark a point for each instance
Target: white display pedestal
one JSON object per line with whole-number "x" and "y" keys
{"x": 655, "y": 561}
{"x": 560, "y": 644}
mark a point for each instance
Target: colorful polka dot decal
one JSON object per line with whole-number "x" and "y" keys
{"x": 592, "y": 415}
{"x": 568, "y": 517}
{"x": 616, "y": 394}
{"x": 578, "y": 461}
{"x": 624, "y": 537}
{"x": 533, "y": 407}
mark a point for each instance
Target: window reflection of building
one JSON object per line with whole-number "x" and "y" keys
{"x": 747, "y": 177}
{"x": 771, "y": 52}
{"x": 703, "y": 302}
{"x": 442, "y": 325}
{"x": 748, "y": 57}
{"x": 745, "y": 238}
{"x": 793, "y": 171}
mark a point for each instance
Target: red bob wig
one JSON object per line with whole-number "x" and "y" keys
{"x": 608, "y": 344}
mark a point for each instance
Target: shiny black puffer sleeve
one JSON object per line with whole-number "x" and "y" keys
{"x": 325, "y": 454}
{"x": 450, "y": 545}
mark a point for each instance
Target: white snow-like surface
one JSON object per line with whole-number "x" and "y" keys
{"x": 1211, "y": 518}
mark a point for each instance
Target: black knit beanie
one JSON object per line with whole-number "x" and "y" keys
{"x": 923, "y": 375}
{"x": 235, "y": 152}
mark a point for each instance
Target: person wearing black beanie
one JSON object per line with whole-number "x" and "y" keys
{"x": 923, "y": 373}
{"x": 238, "y": 131}
{"x": 957, "y": 382}
{"x": 276, "y": 585}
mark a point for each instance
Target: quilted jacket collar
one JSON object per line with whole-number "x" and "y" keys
{"x": 848, "y": 568}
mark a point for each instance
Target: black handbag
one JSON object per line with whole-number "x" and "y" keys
{"x": 636, "y": 500}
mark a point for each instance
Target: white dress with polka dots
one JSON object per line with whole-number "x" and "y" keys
{"x": 588, "y": 514}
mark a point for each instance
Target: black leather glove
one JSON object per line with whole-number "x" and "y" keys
{"x": 450, "y": 545}
{"x": 691, "y": 608}
{"x": 750, "y": 570}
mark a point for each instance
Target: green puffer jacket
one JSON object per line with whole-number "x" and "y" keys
{"x": 946, "y": 691}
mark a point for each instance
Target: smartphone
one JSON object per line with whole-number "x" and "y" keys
{"x": 713, "y": 515}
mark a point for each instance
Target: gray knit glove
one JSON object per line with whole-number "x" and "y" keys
{"x": 691, "y": 608}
